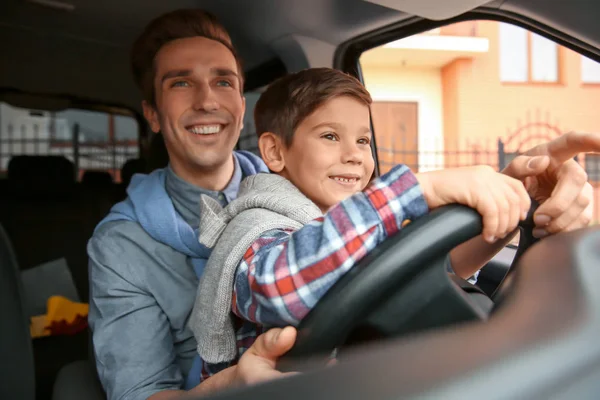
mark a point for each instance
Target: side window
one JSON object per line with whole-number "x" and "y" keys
{"x": 478, "y": 92}
{"x": 92, "y": 140}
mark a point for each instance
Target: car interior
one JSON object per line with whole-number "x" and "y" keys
{"x": 400, "y": 325}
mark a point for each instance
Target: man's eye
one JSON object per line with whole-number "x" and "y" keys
{"x": 330, "y": 136}
{"x": 180, "y": 84}
{"x": 224, "y": 83}
{"x": 366, "y": 141}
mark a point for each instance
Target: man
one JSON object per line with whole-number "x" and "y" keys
{"x": 145, "y": 258}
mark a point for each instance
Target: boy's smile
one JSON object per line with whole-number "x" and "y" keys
{"x": 346, "y": 180}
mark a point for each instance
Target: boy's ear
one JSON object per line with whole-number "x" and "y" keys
{"x": 151, "y": 116}
{"x": 271, "y": 151}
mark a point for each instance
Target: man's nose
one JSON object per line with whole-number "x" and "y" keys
{"x": 205, "y": 99}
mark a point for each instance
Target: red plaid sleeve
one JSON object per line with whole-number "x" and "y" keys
{"x": 284, "y": 274}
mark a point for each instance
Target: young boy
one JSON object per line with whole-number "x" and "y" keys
{"x": 290, "y": 235}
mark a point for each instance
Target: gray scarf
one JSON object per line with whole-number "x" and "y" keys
{"x": 265, "y": 202}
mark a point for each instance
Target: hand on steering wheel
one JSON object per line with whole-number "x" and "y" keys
{"x": 400, "y": 286}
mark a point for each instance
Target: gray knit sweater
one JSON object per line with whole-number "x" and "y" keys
{"x": 265, "y": 202}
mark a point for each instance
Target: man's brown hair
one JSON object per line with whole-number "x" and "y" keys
{"x": 178, "y": 24}
{"x": 292, "y": 98}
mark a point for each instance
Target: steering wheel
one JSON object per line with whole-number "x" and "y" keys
{"x": 402, "y": 286}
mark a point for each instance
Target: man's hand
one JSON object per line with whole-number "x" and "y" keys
{"x": 259, "y": 361}
{"x": 558, "y": 182}
{"x": 255, "y": 366}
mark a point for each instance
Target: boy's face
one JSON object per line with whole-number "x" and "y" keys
{"x": 199, "y": 107}
{"x": 330, "y": 157}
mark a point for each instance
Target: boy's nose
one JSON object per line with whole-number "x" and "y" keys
{"x": 352, "y": 155}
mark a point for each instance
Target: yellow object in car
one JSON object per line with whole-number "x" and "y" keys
{"x": 63, "y": 317}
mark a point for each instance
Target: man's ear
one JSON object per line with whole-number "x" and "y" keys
{"x": 271, "y": 150}
{"x": 151, "y": 116}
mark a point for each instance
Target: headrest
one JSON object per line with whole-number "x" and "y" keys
{"x": 96, "y": 178}
{"x": 158, "y": 156}
{"x": 40, "y": 175}
{"x": 131, "y": 167}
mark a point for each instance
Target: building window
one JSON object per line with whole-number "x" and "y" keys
{"x": 590, "y": 70}
{"x": 544, "y": 59}
{"x": 526, "y": 56}
{"x": 513, "y": 54}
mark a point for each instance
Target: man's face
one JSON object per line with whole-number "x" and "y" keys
{"x": 330, "y": 156}
{"x": 199, "y": 106}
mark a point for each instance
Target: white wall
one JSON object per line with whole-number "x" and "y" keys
{"x": 423, "y": 86}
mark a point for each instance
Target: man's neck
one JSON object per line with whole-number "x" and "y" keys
{"x": 215, "y": 178}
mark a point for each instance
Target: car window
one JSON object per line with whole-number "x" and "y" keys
{"x": 92, "y": 140}
{"x": 478, "y": 92}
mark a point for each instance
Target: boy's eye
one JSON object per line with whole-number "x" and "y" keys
{"x": 329, "y": 136}
{"x": 366, "y": 141}
{"x": 180, "y": 84}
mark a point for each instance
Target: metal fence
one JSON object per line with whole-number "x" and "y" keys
{"x": 110, "y": 156}
{"x": 495, "y": 157}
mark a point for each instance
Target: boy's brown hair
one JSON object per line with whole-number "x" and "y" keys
{"x": 178, "y": 24}
{"x": 292, "y": 98}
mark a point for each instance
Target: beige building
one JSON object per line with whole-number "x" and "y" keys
{"x": 476, "y": 93}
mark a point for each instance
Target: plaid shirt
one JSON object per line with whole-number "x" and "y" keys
{"x": 284, "y": 273}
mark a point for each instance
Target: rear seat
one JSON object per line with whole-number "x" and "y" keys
{"x": 99, "y": 193}
{"x": 130, "y": 168}
{"x": 97, "y": 179}
{"x": 48, "y": 216}
{"x": 30, "y": 177}
{"x": 17, "y": 366}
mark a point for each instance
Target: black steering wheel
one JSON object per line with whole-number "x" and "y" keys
{"x": 402, "y": 286}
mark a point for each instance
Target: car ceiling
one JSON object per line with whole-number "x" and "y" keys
{"x": 252, "y": 23}
{"x": 104, "y": 30}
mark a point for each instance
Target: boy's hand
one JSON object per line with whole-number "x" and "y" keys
{"x": 501, "y": 200}
{"x": 259, "y": 361}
